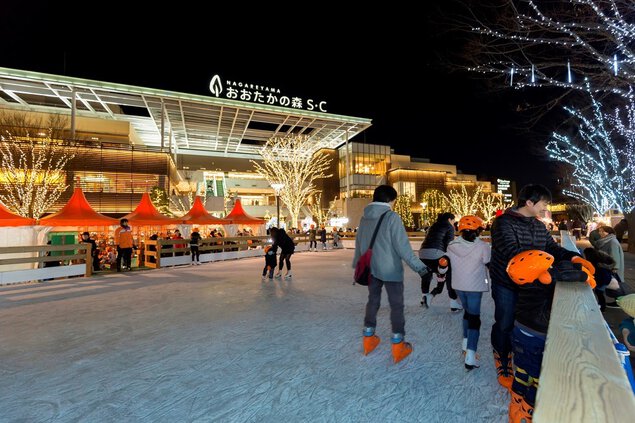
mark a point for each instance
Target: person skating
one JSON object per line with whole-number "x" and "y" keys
{"x": 287, "y": 247}
{"x": 323, "y": 237}
{"x": 535, "y": 274}
{"x": 517, "y": 230}
{"x": 312, "y": 238}
{"x": 270, "y": 262}
{"x": 470, "y": 256}
{"x": 195, "y": 240}
{"x": 432, "y": 253}
{"x": 390, "y": 248}
{"x": 94, "y": 252}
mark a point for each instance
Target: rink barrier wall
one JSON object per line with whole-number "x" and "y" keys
{"x": 75, "y": 260}
{"x": 582, "y": 378}
{"x": 163, "y": 253}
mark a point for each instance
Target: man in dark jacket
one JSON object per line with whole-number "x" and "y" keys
{"x": 517, "y": 230}
{"x": 94, "y": 252}
{"x": 432, "y": 254}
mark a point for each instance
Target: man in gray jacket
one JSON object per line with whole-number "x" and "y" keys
{"x": 391, "y": 247}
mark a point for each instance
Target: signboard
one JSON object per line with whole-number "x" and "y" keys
{"x": 256, "y": 93}
{"x": 503, "y": 186}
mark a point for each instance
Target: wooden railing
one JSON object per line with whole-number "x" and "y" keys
{"x": 582, "y": 379}
{"x": 32, "y": 258}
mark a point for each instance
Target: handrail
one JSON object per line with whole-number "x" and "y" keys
{"x": 581, "y": 379}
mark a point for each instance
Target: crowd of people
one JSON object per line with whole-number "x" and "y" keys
{"x": 523, "y": 263}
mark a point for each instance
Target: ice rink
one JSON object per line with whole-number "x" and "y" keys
{"x": 213, "y": 343}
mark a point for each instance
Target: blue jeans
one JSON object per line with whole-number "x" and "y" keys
{"x": 395, "y": 298}
{"x": 528, "y": 352}
{"x": 471, "y": 317}
{"x": 505, "y": 304}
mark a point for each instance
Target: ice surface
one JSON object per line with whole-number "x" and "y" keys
{"x": 212, "y": 343}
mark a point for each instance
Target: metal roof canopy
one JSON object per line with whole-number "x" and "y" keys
{"x": 221, "y": 127}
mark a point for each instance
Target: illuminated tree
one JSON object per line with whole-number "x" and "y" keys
{"x": 583, "y": 211}
{"x": 534, "y": 44}
{"x": 404, "y": 210}
{"x": 160, "y": 201}
{"x": 464, "y": 202}
{"x": 432, "y": 204}
{"x": 320, "y": 215}
{"x": 292, "y": 160}
{"x": 489, "y": 203}
{"x": 601, "y": 157}
{"x": 32, "y": 163}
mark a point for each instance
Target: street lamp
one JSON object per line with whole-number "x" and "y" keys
{"x": 277, "y": 187}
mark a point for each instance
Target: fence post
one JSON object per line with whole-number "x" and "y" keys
{"x": 89, "y": 260}
{"x": 158, "y": 252}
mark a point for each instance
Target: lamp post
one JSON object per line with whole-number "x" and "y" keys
{"x": 277, "y": 187}
{"x": 423, "y": 213}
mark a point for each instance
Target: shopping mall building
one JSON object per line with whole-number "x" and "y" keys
{"x": 127, "y": 140}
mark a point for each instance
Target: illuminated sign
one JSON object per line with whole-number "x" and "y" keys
{"x": 255, "y": 93}
{"x": 503, "y": 186}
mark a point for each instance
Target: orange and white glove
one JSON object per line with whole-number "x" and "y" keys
{"x": 585, "y": 265}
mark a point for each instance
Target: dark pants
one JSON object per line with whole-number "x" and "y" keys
{"x": 312, "y": 244}
{"x": 195, "y": 253}
{"x": 527, "y": 360}
{"x": 285, "y": 258}
{"x": 433, "y": 265}
{"x": 504, "y": 303}
{"x": 270, "y": 269}
{"x": 395, "y": 298}
{"x": 96, "y": 261}
{"x": 126, "y": 254}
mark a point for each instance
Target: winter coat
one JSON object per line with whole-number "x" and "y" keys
{"x": 284, "y": 242}
{"x": 468, "y": 264}
{"x": 271, "y": 258}
{"x": 123, "y": 237}
{"x": 195, "y": 238}
{"x": 312, "y": 234}
{"x": 612, "y": 247}
{"x": 391, "y": 245}
{"x": 513, "y": 233}
{"x": 438, "y": 237}
{"x": 323, "y": 235}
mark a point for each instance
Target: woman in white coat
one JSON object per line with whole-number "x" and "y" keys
{"x": 469, "y": 257}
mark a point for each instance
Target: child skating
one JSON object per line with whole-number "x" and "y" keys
{"x": 470, "y": 256}
{"x": 270, "y": 262}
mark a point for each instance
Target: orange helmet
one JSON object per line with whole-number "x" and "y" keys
{"x": 530, "y": 265}
{"x": 471, "y": 222}
{"x": 267, "y": 248}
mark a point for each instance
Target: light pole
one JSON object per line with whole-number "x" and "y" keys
{"x": 423, "y": 213}
{"x": 277, "y": 187}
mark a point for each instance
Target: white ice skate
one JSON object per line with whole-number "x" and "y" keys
{"x": 471, "y": 360}
{"x": 288, "y": 275}
{"x": 278, "y": 274}
{"x": 455, "y": 305}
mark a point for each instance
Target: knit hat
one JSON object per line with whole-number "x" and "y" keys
{"x": 627, "y": 302}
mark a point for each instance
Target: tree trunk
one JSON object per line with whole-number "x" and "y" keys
{"x": 630, "y": 219}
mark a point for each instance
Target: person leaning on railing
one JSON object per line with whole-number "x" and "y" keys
{"x": 535, "y": 274}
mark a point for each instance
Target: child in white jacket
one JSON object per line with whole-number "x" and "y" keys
{"x": 469, "y": 257}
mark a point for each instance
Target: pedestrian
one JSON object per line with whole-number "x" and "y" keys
{"x": 283, "y": 242}
{"x": 515, "y": 231}
{"x": 336, "y": 238}
{"x": 390, "y": 248}
{"x": 195, "y": 239}
{"x": 433, "y": 254}
{"x": 124, "y": 243}
{"x": 535, "y": 275}
{"x": 177, "y": 235}
{"x": 270, "y": 262}
{"x": 470, "y": 256}
{"x": 609, "y": 244}
{"x": 312, "y": 238}
{"x": 94, "y": 252}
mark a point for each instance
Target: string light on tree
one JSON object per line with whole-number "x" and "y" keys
{"x": 32, "y": 173}
{"x": 404, "y": 210}
{"x": 293, "y": 161}
{"x": 464, "y": 202}
{"x": 601, "y": 156}
{"x": 589, "y": 34}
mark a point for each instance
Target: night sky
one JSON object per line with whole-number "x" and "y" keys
{"x": 399, "y": 78}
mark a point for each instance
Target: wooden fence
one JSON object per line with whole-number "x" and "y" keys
{"x": 75, "y": 260}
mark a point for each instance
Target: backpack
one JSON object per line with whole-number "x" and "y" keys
{"x": 362, "y": 269}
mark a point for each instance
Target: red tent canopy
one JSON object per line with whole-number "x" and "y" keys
{"x": 78, "y": 212}
{"x": 9, "y": 219}
{"x": 147, "y": 215}
{"x": 238, "y": 216}
{"x": 199, "y": 216}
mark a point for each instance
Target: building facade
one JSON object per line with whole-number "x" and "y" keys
{"x": 127, "y": 140}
